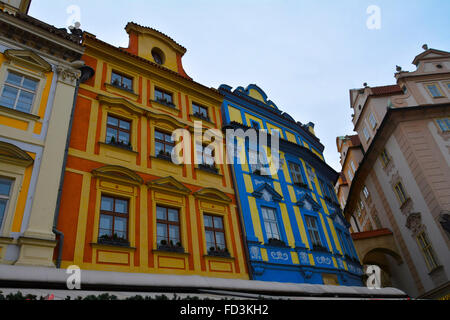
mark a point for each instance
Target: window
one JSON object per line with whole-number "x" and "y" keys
{"x": 255, "y": 125}
{"x": 205, "y": 155}
{"x": 384, "y": 158}
{"x": 352, "y": 164}
{"x": 313, "y": 231}
{"x": 366, "y": 192}
{"x": 296, "y": 173}
{"x": 121, "y": 81}
{"x": 427, "y": 251}
{"x": 113, "y": 219}
{"x": 344, "y": 243}
{"x": 163, "y": 144}
{"x": 199, "y": 111}
{"x": 18, "y": 92}
{"x": 400, "y": 192}
{"x": 271, "y": 223}
{"x": 167, "y": 227}
{"x": 366, "y": 134}
{"x": 118, "y": 131}
{"x": 163, "y": 97}
{"x": 350, "y": 174}
{"x": 5, "y": 191}
{"x": 311, "y": 174}
{"x": 373, "y": 121}
{"x": 215, "y": 233}
{"x": 158, "y": 56}
{"x": 358, "y": 209}
{"x": 444, "y": 124}
{"x": 434, "y": 91}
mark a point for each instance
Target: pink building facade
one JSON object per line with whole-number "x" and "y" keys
{"x": 398, "y": 197}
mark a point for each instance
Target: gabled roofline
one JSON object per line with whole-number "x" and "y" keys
{"x": 423, "y": 54}
{"x": 158, "y": 34}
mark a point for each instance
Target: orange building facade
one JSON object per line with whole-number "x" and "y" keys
{"x": 125, "y": 206}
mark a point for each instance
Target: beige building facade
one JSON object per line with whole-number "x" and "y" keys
{"x": 398, "y": 199}
{"x": 38, "y": 77}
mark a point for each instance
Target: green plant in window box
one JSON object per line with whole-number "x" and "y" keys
{"x": 164, "y": 155}
{"x": 218, "y": 252}
{"x": 208, "y": 167}
{"x": 171, "y": 247}
{"x": 113, "y": 240}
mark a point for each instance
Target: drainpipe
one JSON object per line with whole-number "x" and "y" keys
{"x": 86, "y": 74}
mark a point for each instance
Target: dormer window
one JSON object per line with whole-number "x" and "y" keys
{"x": 121, "y": 81}
{"x": 158, "y": 56}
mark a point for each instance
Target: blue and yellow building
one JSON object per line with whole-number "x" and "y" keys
{"x": 294, "y": 229}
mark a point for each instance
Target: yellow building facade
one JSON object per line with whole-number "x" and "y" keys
{"x": 37, "y": 86}
{"x": 125, "y": 205}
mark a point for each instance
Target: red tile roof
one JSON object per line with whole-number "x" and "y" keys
{"x": 371, "y": 234}
{"x": 386, "y": 90}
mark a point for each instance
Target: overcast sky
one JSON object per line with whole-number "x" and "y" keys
{"x": 305, "y": 55}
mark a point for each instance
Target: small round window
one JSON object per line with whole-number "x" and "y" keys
{"x": 158, "y": 56}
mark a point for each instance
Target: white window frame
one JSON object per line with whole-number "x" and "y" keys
{"x": 273, "y": 223}
{"x": 6, "y": 198}
{"x": 20, "y": 89}
{"x": 372, "y": 121}
{"x": 366, "y": 134}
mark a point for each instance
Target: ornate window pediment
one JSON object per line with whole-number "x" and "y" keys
{"x": 267, "y": 193}
{"x": 119, "y": 174}
{"x": 308, "y": 203}
{"x": 337, "y": 218}
{"x": 28, "y": 58}
{"x": 212, "y": 194}
{"x": 168, "y": 184}
{"x": 121, "y": 102}
{"x": 12, "y": 154}
{"x": 414, "y": 222}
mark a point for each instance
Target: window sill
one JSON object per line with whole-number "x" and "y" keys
{"x": 163, "y": 251}
{"x": 405, "y": 204}
{"x": 117, "y": 147}
{"x": 168, "y": 106}
{"x": 20, "y": 114}
{"x": 211, "y": 256}
{"x": 214, "y": 171}
{"x": 302, "y": 186}
{"x": 99, "y": 245}
{"x": 435, "y": 270}
{"x": 129, "y": 93}
{"x": 165, "y": 160}
{"x": 201, "y": 118}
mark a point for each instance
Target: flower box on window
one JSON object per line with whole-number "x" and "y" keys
{"x": 208, "y": 167}
{"x": 201, "y": 116}
{"x": 165, "y": 102}
{"x": 276, "y": 243}
{"x": 302, "y": 185}
{"x": 113, "y": 240}
{"x": 170, "y": 247}
{"x": 320, "y": 248}
{"x": 120, "y": 144}
{"x": 164, "y": 155}
{"x": 219, "y": 252}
